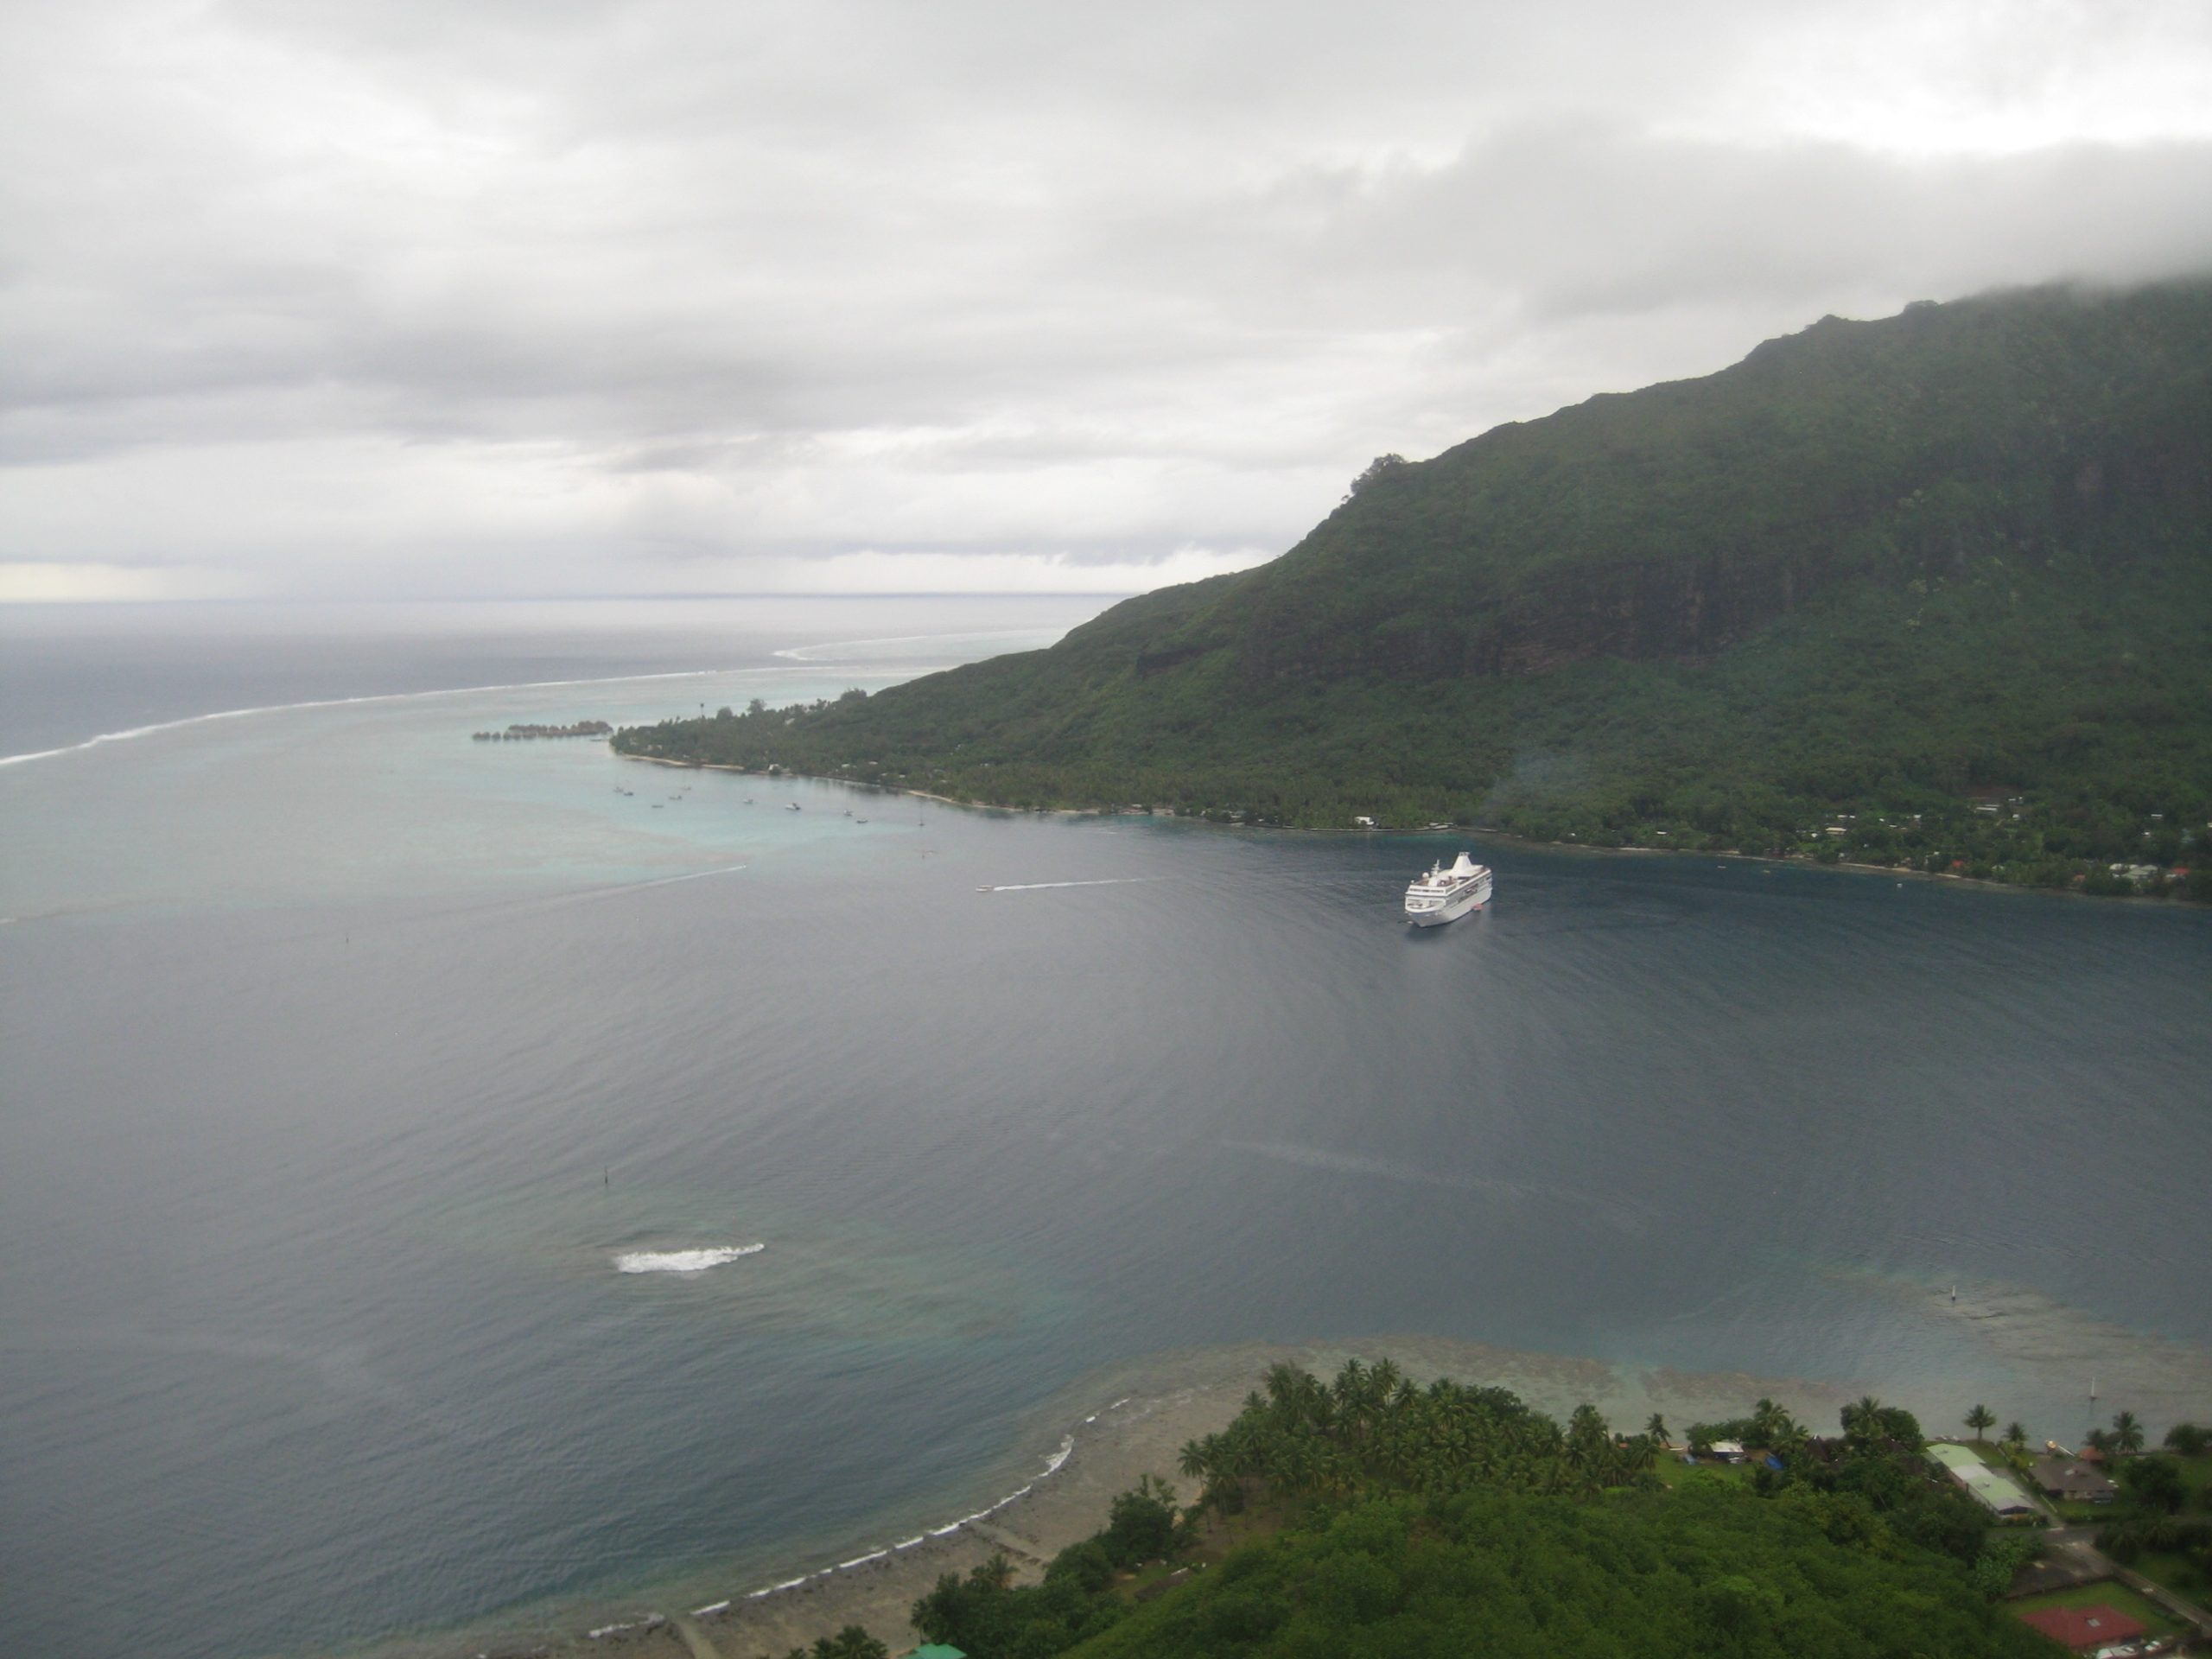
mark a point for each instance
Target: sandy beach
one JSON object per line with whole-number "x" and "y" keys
{"x": 1114, "y": 1427}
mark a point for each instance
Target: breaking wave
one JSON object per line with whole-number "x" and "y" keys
{"x": 683, "y": 1261}
{"x": 128, "y": 733}
{"x": 1054, "y": 1465}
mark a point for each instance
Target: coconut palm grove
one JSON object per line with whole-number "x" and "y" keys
{"x": 1368, "y": 1514}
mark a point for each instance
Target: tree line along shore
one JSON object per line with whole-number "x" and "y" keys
{"x": 1367, "y": 1514}
{"x": 525, "y": 734}
{"x": 1929, "y": 592}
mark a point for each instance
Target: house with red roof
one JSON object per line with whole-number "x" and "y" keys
{"x": 2085, "y": 1630}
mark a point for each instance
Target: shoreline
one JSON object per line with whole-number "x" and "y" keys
{"x": 1109, "y": 1428}
{"x": 1843, "y": 866}
{"x": 1073, "y": 1452}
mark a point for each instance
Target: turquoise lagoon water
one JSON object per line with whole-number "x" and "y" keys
{"x": 345, "y": 1064}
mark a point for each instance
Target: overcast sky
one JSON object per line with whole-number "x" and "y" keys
{"x": 413, "y": 297}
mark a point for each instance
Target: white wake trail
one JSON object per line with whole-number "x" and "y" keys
{"x": 1102, "y": 881}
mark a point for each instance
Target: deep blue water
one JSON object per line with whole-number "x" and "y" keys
{"x": 340, "y": 1060}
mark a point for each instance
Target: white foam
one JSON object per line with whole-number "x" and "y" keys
{"x": 1052, "y": 1466}
{"x": 347, "y": 702}
{"x": 710, "y": 1610}
{"x": 823, "y": 653}
{"x": 683, "y": 1261}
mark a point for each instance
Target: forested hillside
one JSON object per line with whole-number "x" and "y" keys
{"x": 1934, "y": 589}
{"x": 1673, "y": 1575}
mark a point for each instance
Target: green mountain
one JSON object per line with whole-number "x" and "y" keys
{"x": 1934, "y": 589}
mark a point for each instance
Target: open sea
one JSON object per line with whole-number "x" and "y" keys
{"x": 364, "y": 1088}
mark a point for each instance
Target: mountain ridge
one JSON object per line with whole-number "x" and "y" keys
{"x": 1867, "y": 572}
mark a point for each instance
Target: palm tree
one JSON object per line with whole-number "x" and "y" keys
{"x": 1862, "y": 1419}
{"x": 2127, "y": 1433}
{"x": 2015, "y": 1443}
{"x": 1979, "y": 1419}
{"x": 1762, "y": 1424}
{"x": 1351, "y": 1386}
{"x": 1657, "y": 1428}
{"x": 1194, "y": 1459}
{"x": 1383, "y": 1378}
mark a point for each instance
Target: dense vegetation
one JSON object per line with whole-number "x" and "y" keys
{"x": 1930, "y": 591}
{"x": 1701, "y": 1570}
{"x": 2164, "y": 1526}
{"x": 1447, "y": 1519}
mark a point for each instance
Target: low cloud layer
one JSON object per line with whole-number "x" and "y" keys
{"x": 537, "y": 297}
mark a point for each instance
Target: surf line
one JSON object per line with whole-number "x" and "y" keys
{"x": 1054, "y": 1465}
{"x": 814, "y": 655}
{"x": 124, "y": 735}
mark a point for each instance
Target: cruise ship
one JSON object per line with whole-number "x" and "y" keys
{"x": 1446, "y": 894}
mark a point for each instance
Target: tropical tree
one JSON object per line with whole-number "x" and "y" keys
{"x": 1657, "y": 1428}
{"x": 1194, "y": 1459}
{"x": 1979, "y": 1419}
{"x": 2153, "y": 1482}
{"x": 1862, "y": 1420}
{"x": 2189, "y": 1440}
{"x": 2127, "y": 1433}
{"x": 1384, "y": 1380}
{"x": 1772, "y": 1426}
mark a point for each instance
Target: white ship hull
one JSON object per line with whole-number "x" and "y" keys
{"x": 1445, "y": 895}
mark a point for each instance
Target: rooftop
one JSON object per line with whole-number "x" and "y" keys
{"x": 2083, "y": 1629}
{"x": 2071, "y": 1478}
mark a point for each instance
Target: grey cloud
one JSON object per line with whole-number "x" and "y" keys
{"x": 639, "y": 282}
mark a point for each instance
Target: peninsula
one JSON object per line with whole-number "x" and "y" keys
{"x": 1929, "y": 592}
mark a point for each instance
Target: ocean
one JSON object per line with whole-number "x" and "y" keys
{"x": 366, "y": 1092}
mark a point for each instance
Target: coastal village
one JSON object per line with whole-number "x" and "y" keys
{"x": 2104, "y": 1548}
{"x": 2110, "y": 1549}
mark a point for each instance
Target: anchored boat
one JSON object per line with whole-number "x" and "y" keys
{"x": 1446, "y": 894}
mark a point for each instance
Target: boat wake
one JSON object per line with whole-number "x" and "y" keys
{"x": 683, "y": 1261}
{"x": 1100, "y": 881}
